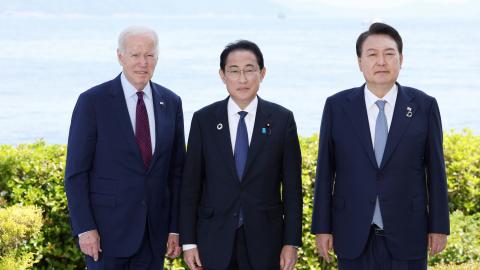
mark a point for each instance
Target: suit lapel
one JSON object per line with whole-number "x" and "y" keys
{"x": 357, "y": 113}
{"x": 222, "y": 137}
{"x": 400, "y": 122}
{"x": 258, "y": 138}
{"x": 159, "y": 109}
{"x": 123, "y": 118}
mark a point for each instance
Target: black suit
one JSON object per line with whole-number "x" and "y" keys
{"x": 270, "y": 193}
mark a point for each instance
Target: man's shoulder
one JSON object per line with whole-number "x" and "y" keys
{"x": 416, "y": 93}
{"x": 100, "y": 89}
{"x": 165, "y": 91}
{"x": 211, "y": 108}
{"x": 273, "y": 107}
{"x": 345, "y": 94}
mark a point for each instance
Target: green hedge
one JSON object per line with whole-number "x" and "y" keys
{"x": 18, "y": 225}
{"x": 33, "y": 174}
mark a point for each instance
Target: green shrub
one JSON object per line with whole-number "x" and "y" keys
{"x": 33, "y": 175}
{"x": 467, "y": 266}
{"x": 19, "y": 225}
{"x": 464, "y": 241}
{"x": 462, "y": 159}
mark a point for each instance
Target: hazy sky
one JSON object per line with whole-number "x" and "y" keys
{"x": 455, "y": 9}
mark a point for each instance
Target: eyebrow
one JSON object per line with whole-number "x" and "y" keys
{"x": 236, "y": 66}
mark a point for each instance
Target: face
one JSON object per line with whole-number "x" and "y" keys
{"x": 242, "y": 76}
{"x": 380, "y": 62}
{"x": 138, "y": 59}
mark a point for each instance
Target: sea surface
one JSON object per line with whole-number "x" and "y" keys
{"x": 47, "y": 60}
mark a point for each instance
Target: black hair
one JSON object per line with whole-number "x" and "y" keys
{"x": 379, "y": 29}
{"x": 241, "y": 45}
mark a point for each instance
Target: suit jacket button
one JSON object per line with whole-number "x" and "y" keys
{"x": 372, "y": 201}
{"x": 379, "y": 176}
{"x": 235, "y": 214}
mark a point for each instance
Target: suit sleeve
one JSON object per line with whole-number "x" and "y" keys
{"x": 176, "y": 168}
{"x": 436, "y": 177}
{"x": 80, "y": 154}
{"x": 191, "y": 184}
{"x": 292, "y": 185}
{"x": 324, "y": 180}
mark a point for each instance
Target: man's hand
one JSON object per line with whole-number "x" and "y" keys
{"x": 173, "y": 246}
{"x": 288, "y": 257}
{"x": 192, "y": 259}
{"x": 324, "y": 244}
{"x": 90, "y": 243}
{"x": 436, "y": 243}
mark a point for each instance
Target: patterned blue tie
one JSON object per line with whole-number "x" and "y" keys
{"x": 241, "y": 145}
{"x": 381, "y": 133}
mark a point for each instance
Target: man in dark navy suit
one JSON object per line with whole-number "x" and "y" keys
{"x": 126, "y": 150}
{"x": 381, "y": 191}
{"x": 241, "y": 203}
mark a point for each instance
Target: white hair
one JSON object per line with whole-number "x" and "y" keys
{"x": 136, "y": 31}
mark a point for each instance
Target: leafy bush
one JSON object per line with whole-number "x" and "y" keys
{"x": 33, "y": 175}
{"x": 467, "y": 266}
{"x": 18, "y": 225}
{"x": 464, "y": 241}
{"x": 462, "y": 159}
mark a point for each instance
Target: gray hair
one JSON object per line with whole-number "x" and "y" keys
{"x": 136, "y": 31}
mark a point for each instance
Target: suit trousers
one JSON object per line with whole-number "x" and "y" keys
{"x": 239, "y": 259}
{"x": 143, "y": 259}
{"x": 377, "y": 257}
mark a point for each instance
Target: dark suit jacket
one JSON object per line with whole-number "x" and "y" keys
{"x": 411, "y": 182}
{"x": 107, "y": 186}
{"x": 270, "y": 193}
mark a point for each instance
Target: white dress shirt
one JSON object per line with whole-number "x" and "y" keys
{"x": 131, "y": 98}
{"x": 372, "y": 108}
{"x": 233, "y": 118}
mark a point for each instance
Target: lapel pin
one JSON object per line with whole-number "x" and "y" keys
{"x": 219, "y": 126}
{"x": 266, "y": 129}
{"x": 162, "y": 103}
{"x": 409, "y": 112}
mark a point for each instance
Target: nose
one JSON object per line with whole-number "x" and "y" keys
{"x": 243, "y": 76}
{"x": 143, "y": 61}
{"x": 381, "y": 60}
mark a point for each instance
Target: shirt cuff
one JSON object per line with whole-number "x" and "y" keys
{"x": 188, "y": 247}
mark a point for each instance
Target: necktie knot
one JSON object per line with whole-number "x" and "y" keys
{"x": 140, "y": 94}
{"x": 381, "y": 104}
{"x": 242, "y": 114}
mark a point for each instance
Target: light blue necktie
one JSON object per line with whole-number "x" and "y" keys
{"x": 240, "y": 153}
{"x": 381, "y": 133}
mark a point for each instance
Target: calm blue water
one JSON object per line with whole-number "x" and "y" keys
{"x": 46, "y": 61}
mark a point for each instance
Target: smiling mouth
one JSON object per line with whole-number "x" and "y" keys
{"x": 141, "y": 72}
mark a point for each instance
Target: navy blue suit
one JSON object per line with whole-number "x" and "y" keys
{"x": 410, "y": 182}
{"x": 107, "y": 185}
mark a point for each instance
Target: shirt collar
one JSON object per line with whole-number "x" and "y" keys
{"x": 233, "y": 108}
{"x": 129, "y": 90}
{"x": 390, "y": 97}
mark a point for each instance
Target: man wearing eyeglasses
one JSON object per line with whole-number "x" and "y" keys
{"x": 241, "y": 196}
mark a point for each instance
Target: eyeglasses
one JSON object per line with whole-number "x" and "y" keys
{"x": 235, "y": 74}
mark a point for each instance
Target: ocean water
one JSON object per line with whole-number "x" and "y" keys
{"x": 47, "y": 60}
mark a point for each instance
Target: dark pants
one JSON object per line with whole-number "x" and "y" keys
{"x": 377, "y": 257}
{"x": 239, "y": 259}
{"x": 143, "y": 259}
